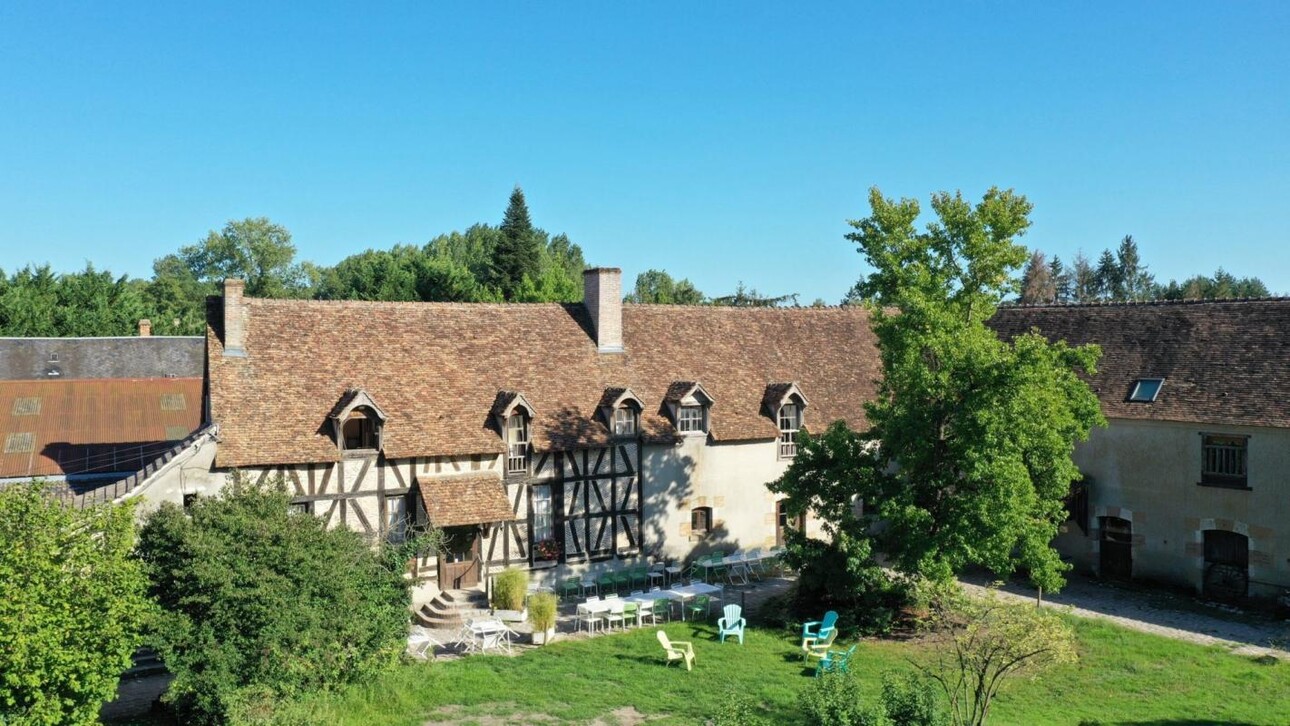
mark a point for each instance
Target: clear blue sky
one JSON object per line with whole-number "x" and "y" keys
{"x": 722, "y": 142}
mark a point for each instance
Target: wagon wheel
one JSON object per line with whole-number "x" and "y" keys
{"x": 1225, "y": 581}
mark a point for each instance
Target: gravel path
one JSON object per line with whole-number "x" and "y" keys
{"x": 1163, "y": 614}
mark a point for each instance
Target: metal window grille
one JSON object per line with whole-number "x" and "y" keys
{"x": 20, "y": 443}
{"x": 690, "y": 419}
{"x": 788, "y": 427}
{"x": 1224, "y": 460}
{"x": 26, "y": 406}
{"x": 517, "y": 449}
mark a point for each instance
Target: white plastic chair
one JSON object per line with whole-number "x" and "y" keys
{"x": 615, "y": 614}
{"x": 420, "y": 642}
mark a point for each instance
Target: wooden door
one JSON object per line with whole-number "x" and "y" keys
{"x": 1227, "y": 565}
{"x": 459, "y": 560}
{"x": 1116, "y": 548}
{"x": 784, "y": 522}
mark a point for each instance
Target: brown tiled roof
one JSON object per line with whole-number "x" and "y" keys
{"x": 57, "y": 427}
{"x": 1223, "y": 362}
{"x": 436, "y": 370}
{"x": 453, "y": 501}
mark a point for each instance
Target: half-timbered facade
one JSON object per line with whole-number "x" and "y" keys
{"x": 535, "y": 434}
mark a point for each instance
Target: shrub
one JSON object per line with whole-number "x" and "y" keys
{"x": 72, "y": 606}
{"x": 910, "y": 699}
{"x": 737, "y": 707}
{"x": 261, "y": 605}
{"x": 509, "y": 589}
{"x": 833, "y": 700}
{"x": 542, "y": 607}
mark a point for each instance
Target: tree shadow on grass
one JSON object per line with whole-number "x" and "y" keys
{"x": 1175, "y": 722}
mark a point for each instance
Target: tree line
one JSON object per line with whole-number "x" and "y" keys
{"x": 1121, "y": 276}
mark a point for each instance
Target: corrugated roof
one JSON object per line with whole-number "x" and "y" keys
{"x": 76, "y": 358}
{"x": 437, "y": 368}
{"x": 1224, "y": 362}
{"x": 57, "y": 427}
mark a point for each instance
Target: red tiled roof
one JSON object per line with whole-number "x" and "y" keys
{"x": 1224, "y": 362}
{"x": 55, "y": 427}
{"x": 453, "y": 501}
{"x": 436, "y": 369}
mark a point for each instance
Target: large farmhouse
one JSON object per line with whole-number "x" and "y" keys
{"x": 536, "y": 434}
{"x": 563, "y": 435}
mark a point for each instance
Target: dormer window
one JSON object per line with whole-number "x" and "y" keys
{"x": 357, "y": 422}
{"x": 784, "y": 403}
{"x": 517, "y": 443}
{"x": 625, "y": 421}
{"x": 360, "y": 432}
{"x": 790, "y": 422}
{"x": 690, "y": 420}
{"x": 689, "y": 406}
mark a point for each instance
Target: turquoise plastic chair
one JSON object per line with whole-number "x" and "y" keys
{"x": 835, "y": 661}
{"x": 731, "y": 623}
{"x": 819, "y": 629}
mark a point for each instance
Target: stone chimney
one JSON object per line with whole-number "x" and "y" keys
{"x": 145, "y": 328}
{"x": 234, "y": 318}
{"x": 602, "y": 294}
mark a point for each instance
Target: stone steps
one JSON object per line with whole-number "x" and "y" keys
{"x": 452, "y": 608}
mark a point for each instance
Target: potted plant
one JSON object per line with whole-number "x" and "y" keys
{"x": 509, "y": 589}
{"x": 548, "y": 550}
{"x": 542, "y": 607}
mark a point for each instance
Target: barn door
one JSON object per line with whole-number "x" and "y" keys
{"x": 1227, "y": 565}
{"x": 1116, "y": 548}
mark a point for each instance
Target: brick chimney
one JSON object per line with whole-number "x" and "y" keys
{"x": 145, "y": 328}
{"x": 234, "y": 319}
{"x": 602, "y": 294}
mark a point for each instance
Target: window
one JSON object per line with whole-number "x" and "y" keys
{"x": 301, "y": 507}
{"x": 20, "y": 443}
{"x": 517, "y": 444}
{"x": 790, "y": 420}
{"x": 360, "y": 432}
{"x": 625, "y": 421}
{"x": 396, "y": 518}
{"x": 189, "y": 499}
{"x": 690, "y": 420}
{"x": 26, "y": 406}
{"x": 700, "y": 521}
{"x": 1223, "y": 461}
{"x": 543, "y": 523}
{"x": 1145, "y": 390}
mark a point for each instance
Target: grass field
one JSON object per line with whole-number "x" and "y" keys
{"x": 1123, "y": 677}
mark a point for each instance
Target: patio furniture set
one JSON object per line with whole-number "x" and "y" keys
{"x": 632, "y": 609}
{"x": 736, "y": 568}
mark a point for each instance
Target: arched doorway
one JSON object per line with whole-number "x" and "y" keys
{"x": 1115, "y": 548}
{"x": 1227, "y": 565}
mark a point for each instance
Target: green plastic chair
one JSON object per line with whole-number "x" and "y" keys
{"x": 623, "y": 580}
{"x": 605, "y": 583}
{"x": 835, "y": 661}
{"x": 572, "y": 587}
{"x": 631, "y": 613}
{"x": 663, "y": 606}
{"x": 702, "y": 604}
{"x": 640, "y": 575}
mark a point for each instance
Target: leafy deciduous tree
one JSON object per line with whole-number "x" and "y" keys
{"x": 656, "y": 287}
{"x": 72, "y": 606}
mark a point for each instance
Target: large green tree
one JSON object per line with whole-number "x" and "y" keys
{"x": 518, "y": 252}
{"x": 968, "y": 456}
{"x": 657, "y": 287}
{"x": 38, "y": 302}
{"x": 260, "y": 604}
{"x": 72, "y": 606}
{"x": 254, "y": 250}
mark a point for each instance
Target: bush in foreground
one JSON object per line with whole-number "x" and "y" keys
{"x": 72, "y": 606}
{"x": 261, "y": 605}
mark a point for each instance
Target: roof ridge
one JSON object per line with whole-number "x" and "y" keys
{"x": 1145, "y": 303}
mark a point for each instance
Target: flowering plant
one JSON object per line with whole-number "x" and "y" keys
{"x": 547, "y": 549}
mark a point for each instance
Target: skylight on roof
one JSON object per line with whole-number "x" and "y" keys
{"x": 1145, "y": 390}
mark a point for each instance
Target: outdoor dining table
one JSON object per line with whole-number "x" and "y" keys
{"x": 688, "y": 592}
{"x": 484, "y": 635}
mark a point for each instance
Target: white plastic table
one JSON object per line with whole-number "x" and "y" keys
{"x": 685, "y": 593}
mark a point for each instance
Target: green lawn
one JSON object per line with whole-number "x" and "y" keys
{"x": 1123, "y": 677}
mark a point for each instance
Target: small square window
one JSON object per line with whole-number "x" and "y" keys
{"x": 1145, "y": 390}
{"x": 690, "y": 420}
{"x": 700, "y": 521}
{"x": 173, "y": 402}
{"x": 26, "y": 406}
{"x": 23, "y": 443}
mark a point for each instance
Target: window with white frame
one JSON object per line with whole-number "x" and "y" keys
{"x": 790, "y": 422}
{"x": 396, "y": 518}
{"x": 689, "y": 420}
{"x": 624, "y": 421}
{"x": 517, "y": 444}
{"x": 543, "y": 514}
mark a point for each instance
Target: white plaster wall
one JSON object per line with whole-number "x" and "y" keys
{"x": 730, "y": 478}
{"x": 1148, "y": 472}
{"x": 188, "y": 473}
